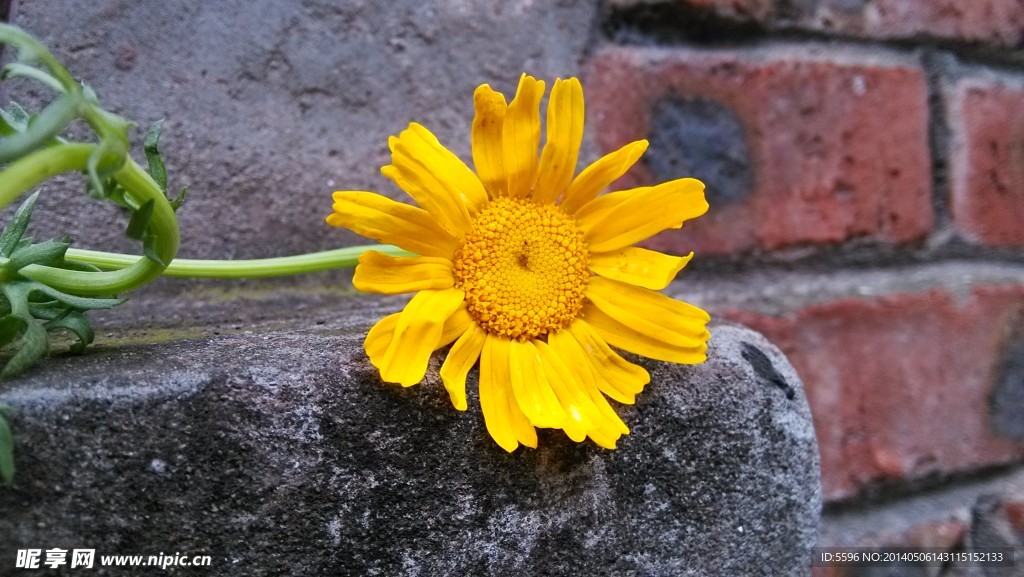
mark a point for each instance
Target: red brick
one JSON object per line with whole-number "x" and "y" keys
{"x": 987, "y": 166}
{"x": 992, "y": 21}
{"x": 902, "y": 387}
{"x": 837, "y": 150}
{"x": 998, "y": 22}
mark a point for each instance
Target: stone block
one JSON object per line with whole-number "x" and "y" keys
{"x": 279, "y": 452}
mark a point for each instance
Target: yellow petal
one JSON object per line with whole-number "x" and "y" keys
{"x": 524, "y": 430}
{"x": 378, "y": 339}
{"x": 460, "y": 360}
{"x": 416, "y": 335}
{"x": 385, "y": 274}
{"x": 436, "y": 179}
{"x": 614, "y": 375}
{"x": 600, "y": 174}
{"x": 580, "y": 413}
{"x": 655, "y": 315}
{"x": 530, "y": 385}
{"x": 390, "y": 222}
{"x": 628, "y": 339}
{"x": 641, "y": 213}
{"x": 456, "y": 324}
{"x": 495, "y": 390}
{"x": 488, "y": 151}
{"x": 645, "y": 268}
{"x": 521, "y": 136}
{"x": 565, "y": 132}
{"x": 582, "y": 370}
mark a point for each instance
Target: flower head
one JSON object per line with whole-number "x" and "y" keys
{"x": 526, "y": 269}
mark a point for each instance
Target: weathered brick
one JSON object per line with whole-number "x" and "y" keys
{"x": 832, "y": 150}
{"x": 996, "y": 22}
{"x": 987, "y": 166}
{"x": 999, "y": 22}
{"x": 908, "y": 385}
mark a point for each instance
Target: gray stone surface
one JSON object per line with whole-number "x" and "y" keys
{"x": 277, "y": 451}
{"x": 270, "y": 106}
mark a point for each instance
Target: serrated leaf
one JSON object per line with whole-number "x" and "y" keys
{"x": 6, "y": 452}
{"x": 32, "y": 347}
{"x": 49, "y": 253}
{"x": 16, "y": 228}
{"x": 81, "y": 303}
{"x": 42, "y": 129}
{"x": 149, "y": 250}
{"x": 151, "y": 146}
{"x": 140, "y": 221}
{"x": 76, "y": 323}
{"x": 180, "y": 199}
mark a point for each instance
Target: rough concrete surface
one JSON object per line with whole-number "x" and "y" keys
{"x": 270, "y": 106}
{"x": 279, "y": 452}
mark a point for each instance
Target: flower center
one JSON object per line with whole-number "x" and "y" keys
{"x": 523, "y": 267}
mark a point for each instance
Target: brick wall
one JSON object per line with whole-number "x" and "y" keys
{"x": 865, "y": 167}
{"x": 864, "y": 162}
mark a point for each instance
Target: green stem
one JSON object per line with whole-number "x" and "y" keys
{"x": 163, "y": 225}
{"x": 31, "y": 48}
{"x": 264, "y": 267}
{"x": 29, "y": 171}
{"x": 24, "y": 174}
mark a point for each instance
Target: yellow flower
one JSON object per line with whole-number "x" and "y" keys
{"x": 526, "y": 268}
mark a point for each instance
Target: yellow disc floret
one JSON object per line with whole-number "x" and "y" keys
{"x": 523, "y": 267}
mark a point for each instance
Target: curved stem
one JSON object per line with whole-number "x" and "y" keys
{"x": 255, "y": 268}
{"x": 35, "y": 51}
{"x": 29, "y": 171}
{"x": 163, "y": 225}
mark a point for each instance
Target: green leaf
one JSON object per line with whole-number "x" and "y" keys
{"x": 6, "y": 129}
{"x": 82, "y": 266}
{"x": 49, "y": 310}
{"x": 81, "y": 303}
{"x": 140, "y": 221}
{"x": 16, "y": 228}
{"x": 76, "y": 323}
{"x": 14, "y": 121}
{"x": 42, "y": 129}
{"x": 10, "y": 326}
{"x": 151, "y": 147}
{"x": 6, "y": 451}
{"x": 149, "y": 250}
{"x": 32, "y": 347}
{"x": 49, "y": 253}
{"x": 90, "y": 95}
{"x": 110, "y": 190}
{"x": 17, "y": 69}
{"x": 180, "y": 199}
